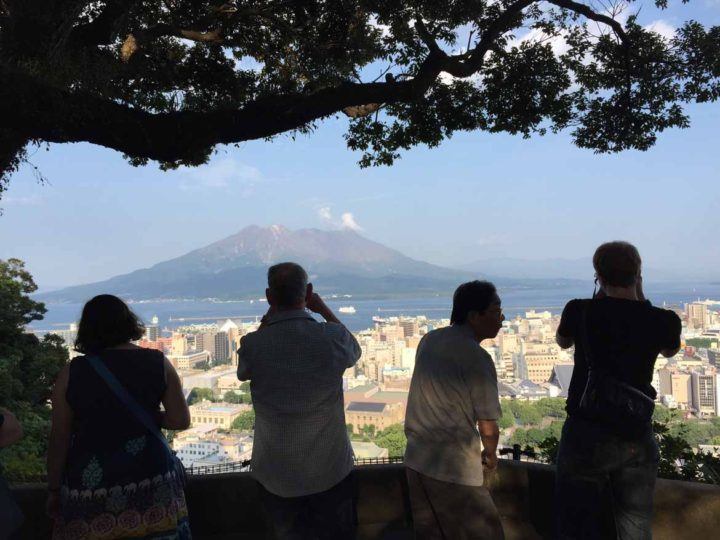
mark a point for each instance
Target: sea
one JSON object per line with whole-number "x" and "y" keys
{"x": 515, "y": 301}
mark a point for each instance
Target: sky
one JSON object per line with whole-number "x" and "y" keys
{"x": 477, "y": 196}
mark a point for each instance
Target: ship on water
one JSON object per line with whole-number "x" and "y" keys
{"x": 347, "y": 310}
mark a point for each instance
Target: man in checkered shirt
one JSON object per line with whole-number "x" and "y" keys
{"x": 302, "y": 458}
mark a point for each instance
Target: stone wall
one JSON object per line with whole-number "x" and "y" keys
{"x": 226, "y": 506}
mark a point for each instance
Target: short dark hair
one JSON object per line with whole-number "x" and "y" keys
{"x": 472, "y": 296}
{"x": 288, "y": 282}
{"x": 617, "y": 263}
{"x": 106, "y": 321}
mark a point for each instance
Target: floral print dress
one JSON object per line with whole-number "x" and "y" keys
{"x": 119, "y": 482}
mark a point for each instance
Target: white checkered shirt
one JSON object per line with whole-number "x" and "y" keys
{"x": 295, "y": 366}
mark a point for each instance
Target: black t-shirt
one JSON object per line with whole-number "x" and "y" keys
{"x": 625, "y": 338}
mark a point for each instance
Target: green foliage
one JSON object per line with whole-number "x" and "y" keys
{"x": 525, "y": 412}
{"x": 664, "y": 415}
{"x": 244, "y": 422}
{"x": 393, "y": 438}
{"x": 534, "y": 436}
{"x": 28, "y": 368}
{"x": 350, "y": 429}
{"x": 507, "y": 420}
{"x": 676, "y": 440}
{"x": 679, "y": 461}
{"x": 245, "y": 387}
{"x": 232, "y": 397}
{"x": 25, "y": 460}
{"x": 199, "y": 394}
{"x": 551, "y": 407}
{"x": 702, "y": 343}
{"x": 549, "y": 449}
{"x": 236, "y": 397}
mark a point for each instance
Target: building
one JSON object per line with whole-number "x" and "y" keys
{"x": 178, "y": 344}
{"x": 410, "y": 327}
{"x": 152, "y": 330}
{"x": 228, "y": 382}
{"x": 698, "y": 316}
{"x": 207, "y": 379}
{"x": 561, "y": 377}
{"x": 362, "y": 414}
{"x": 203, "y": 445}
{"x": 540, "y": 358}
{"x": 221, "y": 349}
{"x": 704, "y": 393}
{"x": 189, "y": 360}
{"x": 220, "y": 415}
{"x": 676, "y": 384}
{"x": 233, "y": 333}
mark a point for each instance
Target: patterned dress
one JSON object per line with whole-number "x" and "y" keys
{"x": 119, "y": 482}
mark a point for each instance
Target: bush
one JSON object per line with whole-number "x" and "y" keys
{"x": 199, "y": 394}
{"x": 393, "y": 438}
{"x": 244, "y": 422}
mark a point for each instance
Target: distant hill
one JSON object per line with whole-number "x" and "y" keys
{"x": 235, "y": 268}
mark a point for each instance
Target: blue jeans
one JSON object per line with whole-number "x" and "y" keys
{"x": 599, "y": 469}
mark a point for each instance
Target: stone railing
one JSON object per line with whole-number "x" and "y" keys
{"x": 225, "y": 506}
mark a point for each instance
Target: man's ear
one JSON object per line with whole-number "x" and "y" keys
{"x": 308, "y": 292}
{"x": 269, "y": 296}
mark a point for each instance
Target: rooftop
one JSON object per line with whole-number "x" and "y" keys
{"x": 363, "y": 406}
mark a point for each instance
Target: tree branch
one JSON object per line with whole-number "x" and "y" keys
{"x": 469, "y": 63}
{"x": 588, "y": 13}
{"x": 103, "y": 30}
{"x": 135, "y": 41}
{"x": 37, "y": 110}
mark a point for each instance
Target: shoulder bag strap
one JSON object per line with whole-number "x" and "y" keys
{"x": 126, "y": 399}
{"x": 585, "y": 339}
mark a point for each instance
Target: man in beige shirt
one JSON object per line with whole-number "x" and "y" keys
{"x": 453, "y": 406}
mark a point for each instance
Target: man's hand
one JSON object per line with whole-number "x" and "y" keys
{"x": 489, "y": 460}
{"x": 316, "y": 304}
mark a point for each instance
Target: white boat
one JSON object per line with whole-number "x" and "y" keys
{"x": 347, "y": 309}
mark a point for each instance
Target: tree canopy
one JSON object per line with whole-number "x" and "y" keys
{"x": 28, "y": 368}
{"x": 168, "y": 80}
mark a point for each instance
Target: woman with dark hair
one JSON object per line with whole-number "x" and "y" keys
{"x": 110, "y": 472}
{"x": 608, "y": 456}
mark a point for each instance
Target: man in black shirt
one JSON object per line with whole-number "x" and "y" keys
{"x": 624, "y": 335}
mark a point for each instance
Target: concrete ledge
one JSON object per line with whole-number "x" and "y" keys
{"x": 226, "y": 506}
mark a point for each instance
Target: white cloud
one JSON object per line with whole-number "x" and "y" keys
{"x": 220, "y": 174}
{"x": 662, "y": 27}
{"x": 348, "y": 222}
{"x": 325, "y": 214}
{"x": 558, "y": 43}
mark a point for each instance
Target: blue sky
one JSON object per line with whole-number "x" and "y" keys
{"x": 476, "y": 196}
